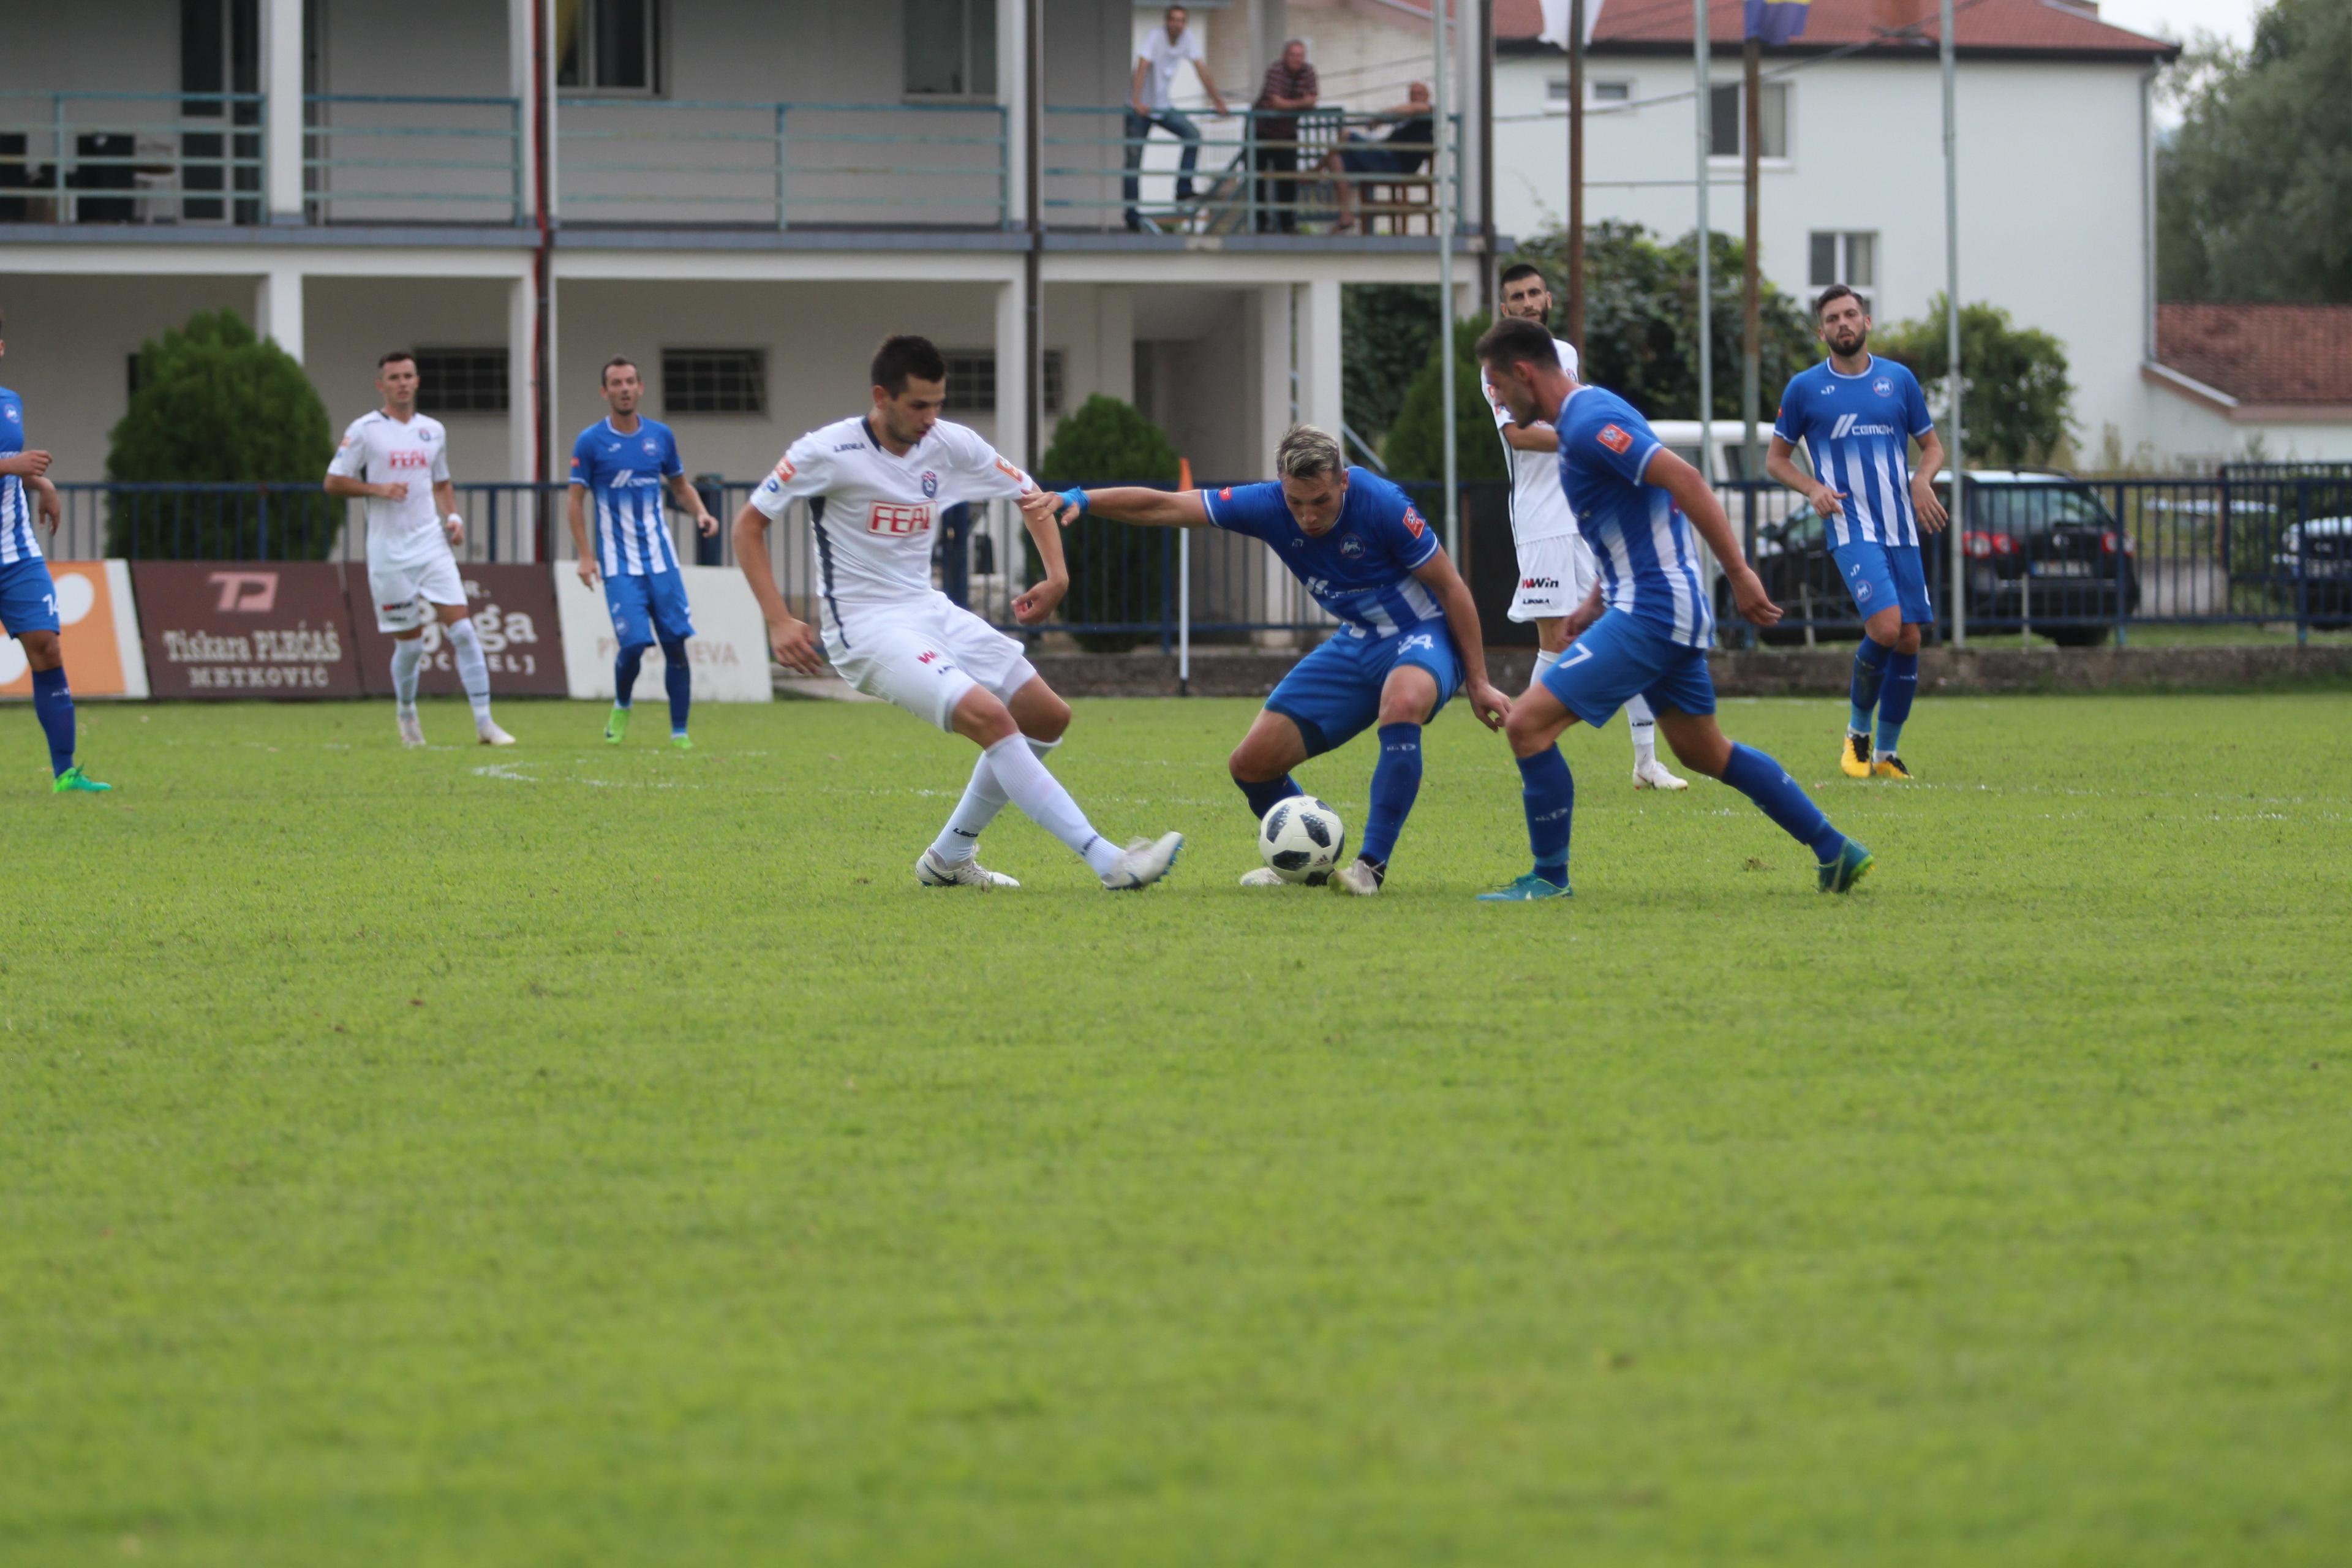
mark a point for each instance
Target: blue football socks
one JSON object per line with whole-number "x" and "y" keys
{"x": 632, "y": 659}
{"x": 1396, "y": 780}
{"x": 1869, "y": 671}
{"x": 1548, "y": 790}
{"x": 53, "y": 705}
{"x": 677, "y": 678}
{"x": 1264, "y": 797}
{"x": 1895, "y": 702}
{"x": 1766, "y": 783}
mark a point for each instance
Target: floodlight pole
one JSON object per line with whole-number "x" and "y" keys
{"x": 1444, "y": 169}
{"x": 1956, "y": 528}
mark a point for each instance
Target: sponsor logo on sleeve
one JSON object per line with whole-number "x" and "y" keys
{"x": 1616, "y": 440}
{"x": 1015, "y": 475}
{"x": 1413, "y": 522}
{"x": 784, "y": 471}
{"x": 1226, "y": 493}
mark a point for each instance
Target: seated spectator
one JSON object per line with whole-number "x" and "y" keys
{"x": 1409, "y": 142}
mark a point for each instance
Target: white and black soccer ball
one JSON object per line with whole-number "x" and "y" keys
{"x": 1302, "y": 838}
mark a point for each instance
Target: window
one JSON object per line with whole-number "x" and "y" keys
{"x": 951, "y": 49}
{"x": 1727, "y": 119}
{"x": 1848, "y": 258}
{"x": 971, "y": 382}
{"x": 1596, "y": 94}
{"x": 607, "y": 46}
{"x": 714, "y": 380}
{"x": 461, "y": 381}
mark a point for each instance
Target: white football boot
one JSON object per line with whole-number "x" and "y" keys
{"x": 1263, "y": 877}
{"x": 1355, "y": 877}
{"x": 1651, "y": 773}
{"x": 492, "y": 735}
{"x": 412, "y": 733}
{"x": 1145, "y": 862}
{"x": 932, "y": 872}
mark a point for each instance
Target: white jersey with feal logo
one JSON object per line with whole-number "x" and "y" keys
{"x": 383, "y": 450}
{"x": 1539, "y": 510}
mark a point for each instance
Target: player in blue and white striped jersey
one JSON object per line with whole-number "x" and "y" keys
{"x": 1646, "y": 626}
{"x": 1856, "y": 416}
{"x": 28, "y": 597}
{"x": 623, "y": 463}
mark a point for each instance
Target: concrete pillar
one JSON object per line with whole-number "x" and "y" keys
{"x": 1270, "y": 308}
{"x": 1320, "y": 353}
{"x": 1012, "y": 367}
{"x": 525, "y": 396}
{"x": 1114, "y": 342}
{"x": 1013, "y": 87}
{"x": 277, "y": 310}
{"x": 282, "y": 109}
{"x": 521, "y": 83}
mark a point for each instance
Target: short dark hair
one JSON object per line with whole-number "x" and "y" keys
{"x": 906, "y": 357}
{"x": 1518, "y": 270}
{"x": 1833, "y": 293}
{"x": 389, "y": 355}
{"x": 1518, "y": 340}
{"x": 616, "y": 362}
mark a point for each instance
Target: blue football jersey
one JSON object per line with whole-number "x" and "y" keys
{"x": 1360, "y": 568}
{"x": 17, "y": 540}
{"x": 1649, "y": 563}
{"x": 1857, "y": 431}
{"x": 623, "y": 476}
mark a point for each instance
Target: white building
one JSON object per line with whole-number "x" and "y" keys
{"x": 2056, "y": 199}
{"x": 743, "y": 195}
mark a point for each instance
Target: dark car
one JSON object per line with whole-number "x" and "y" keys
{"x": 2044, "y": 550}
{"x": 1793, "y": 559}
{"x": 2313, "y": 570}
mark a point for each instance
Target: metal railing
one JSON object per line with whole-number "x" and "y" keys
{"x": 1254, "y": 170}
{"x": 2073, "y": 561}
{"x": 405, "y": 158}
{"x": 779, "y": 165}
{"x": 130, "y": 157}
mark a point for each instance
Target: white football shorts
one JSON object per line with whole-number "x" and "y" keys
{"x": 406, "y": 591}
{"x": 924, "y": 654}
{"x": 1555, "y": 575}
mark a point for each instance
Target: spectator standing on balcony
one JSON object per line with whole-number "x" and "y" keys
{"x": 397, "y": 460}
{"x": 1150, "y": 103}
{"x": 626, "y": 462}
{"x": 28, "y": 596}
{"x": 1410, "y": 141}
{"x": 1290, "y": 86}
{"x": 1857, "y": 415}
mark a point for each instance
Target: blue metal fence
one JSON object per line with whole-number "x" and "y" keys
{"x": 2076, "y": 560}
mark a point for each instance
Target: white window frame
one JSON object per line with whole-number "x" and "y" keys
{"x": 976, "y": 23}
{"x": 657, "y": 16}
{"x": 1842, "y": 265}
{"x": 1786, "y": 93}
{"x": 1556, "y": 94}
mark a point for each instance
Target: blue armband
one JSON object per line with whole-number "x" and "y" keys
{"x": 1075, "y": 500}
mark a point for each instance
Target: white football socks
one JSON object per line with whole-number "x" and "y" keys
{"x": 1645, "y": 727}
{"x": 465, "y": 650}
{"x": 983, "y": 797}
{"x": 1544, "y": 660}
{"x": 1042, "y": 800}
{"x": 407, "y": 659}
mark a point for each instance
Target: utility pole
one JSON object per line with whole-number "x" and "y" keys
{"x": 1576, "y": 173}
{"x": 1446, "y": 170}
{"x": 1752, "y": 389}
{"x": 1706, "y": 325}
{"x": 1958, "y": 527}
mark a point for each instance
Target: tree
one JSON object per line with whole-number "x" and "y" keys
{"x": 217, "y": 405}
{"x": 1117, "y": 570}
{"x": 2254, "y": 191}
{"x": 1388, "y": 329}
{"x": 2016, "y": 388}
{"x": 1414, "y": 449}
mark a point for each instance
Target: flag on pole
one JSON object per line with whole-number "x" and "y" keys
{"x": 1768, "y": 21}
{"x": 1555, "y": 21}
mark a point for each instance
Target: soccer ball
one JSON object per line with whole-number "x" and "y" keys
{"x": 1302, "y": 839}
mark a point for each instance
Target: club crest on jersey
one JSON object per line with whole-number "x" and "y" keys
{"x": 1352, "y": 548}
{"x": 930, "y": 485}
{"x": 1412, "y": 522}
{"x": 650, "y": 447}
{"x": 1884, "y": 387}
{"x": 1616, "y": 440}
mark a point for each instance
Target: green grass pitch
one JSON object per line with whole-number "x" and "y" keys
{"x": 580, "y": 1155}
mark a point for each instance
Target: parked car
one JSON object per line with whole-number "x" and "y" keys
{"x": 2314, "y": 568}
{"x": 2044, "y": 549}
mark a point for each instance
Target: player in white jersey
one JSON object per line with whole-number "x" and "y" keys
{"x": 397, "y": 460}
{"x": 1556, "y": 566}
{"x": 875, "y": 485}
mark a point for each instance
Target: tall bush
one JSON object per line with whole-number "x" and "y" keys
{"x": 1117, "y": 570}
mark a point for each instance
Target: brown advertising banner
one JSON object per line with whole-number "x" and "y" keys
{"x": 514, "y": 616}
{"x": 246, "y": 629}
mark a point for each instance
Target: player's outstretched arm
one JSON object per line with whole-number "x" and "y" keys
{"x": 1453, "y": 594}
{"x": 1133, "y": 503}
{"x": 1705, "y": 514}
{"x": 1924, "y": 498}
{"x": 792, "y": 639}
{"x": 1038, "y": 602}
{"x": 577, "y": 513}
{"x": 1536, "y": 437}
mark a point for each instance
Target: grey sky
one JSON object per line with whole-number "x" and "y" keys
{"x": 2233, "y": 19}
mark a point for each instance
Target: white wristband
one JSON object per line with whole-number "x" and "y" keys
{"x": 455, "y": 517}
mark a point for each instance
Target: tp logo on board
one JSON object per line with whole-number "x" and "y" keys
{"x": 246, "y": 593}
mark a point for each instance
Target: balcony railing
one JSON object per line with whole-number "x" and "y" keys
{"x": 130, "y": 157}
{"x": 387, "y": 158}
{"x": 779, "y": 166}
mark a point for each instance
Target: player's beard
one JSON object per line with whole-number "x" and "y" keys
{"x": 1847, "y": 351}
